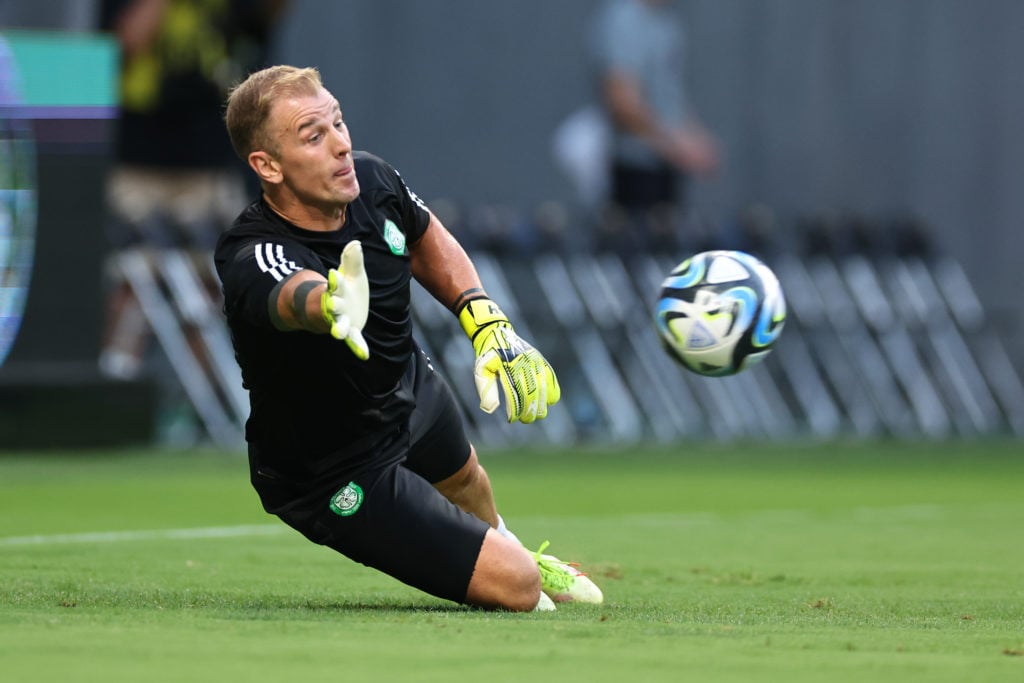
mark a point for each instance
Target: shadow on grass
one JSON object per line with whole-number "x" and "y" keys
{"x": 238, "y": 605}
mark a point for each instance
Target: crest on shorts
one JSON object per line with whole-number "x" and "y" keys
{"x": 347, "y": 501}
{"x": 394, "y": 237}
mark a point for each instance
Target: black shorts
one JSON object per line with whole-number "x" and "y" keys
{"x": 388, "y": 515}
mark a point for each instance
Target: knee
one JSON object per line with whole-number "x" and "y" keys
{"x": 470, "y": 480}
{"x": 472, "y": 472}
{"x": 467, "y": 478}
{"x": 524, "y": 589}
{"x": 505, "y": 577}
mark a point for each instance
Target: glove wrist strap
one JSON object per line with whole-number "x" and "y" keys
{"x": 325, "y": 308}
{"x": 480, "y": 313}
{"x": 326, "y": 305}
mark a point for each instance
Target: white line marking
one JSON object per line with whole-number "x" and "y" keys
{"x": 147, "y": 535}
{"x": 890, "y": 513}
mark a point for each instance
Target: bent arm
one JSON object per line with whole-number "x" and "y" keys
{"x": 628, "y": 108}
{"x": 690, "y": 147}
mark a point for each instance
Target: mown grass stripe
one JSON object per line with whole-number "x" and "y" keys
{"x": 242, "y": 530}
{"x": 147, "y": 535}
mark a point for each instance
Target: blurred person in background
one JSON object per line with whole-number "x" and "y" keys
{"x": 354, "y": 439}
{"x": 175, "y": 179}
{"x": 657, "y": 142}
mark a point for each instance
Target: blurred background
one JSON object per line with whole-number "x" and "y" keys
{"x": 869, "y": 151}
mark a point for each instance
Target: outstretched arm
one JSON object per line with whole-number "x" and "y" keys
{"x": 295, "y": 303}
{"x": 441, "y": 265}
{"x": 338, "y": 304}
{"x": 503, "y": 359}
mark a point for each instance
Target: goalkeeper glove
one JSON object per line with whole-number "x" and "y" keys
{"x": 529, "y": 383}
{"x": 345, "y": 304}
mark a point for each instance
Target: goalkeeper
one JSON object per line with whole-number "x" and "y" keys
{"x": 354, "y": 439}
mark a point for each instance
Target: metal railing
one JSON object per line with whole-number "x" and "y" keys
{"x": 896, "y": 345}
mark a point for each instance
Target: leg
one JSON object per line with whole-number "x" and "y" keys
{"x": 505, "y": 576}
{"x": 439, "y": 450}
{"x": 124, "y": 334}
{"x": 470, "y": 489}
{"x": 396, "y": 522}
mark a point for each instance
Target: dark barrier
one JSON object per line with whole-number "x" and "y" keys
{"x": 58, "y": 121}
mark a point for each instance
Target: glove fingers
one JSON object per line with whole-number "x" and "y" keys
{"x": 355, "y": 288}
{"x": 333, "y": 279}
{"x": 553, "y": 390}
{"x": 527, "y": 381}
{"x": 355, "y": 341}
{"x": 513, "y": 398}
{"x": 542, "y": 394}
{"x": 539, "y": 389}
{"x": 341, "y": 328}
{"x": 524, "y": 389}
{"x": 485, "y": 376}
{"x": 346, "y": 301}
{"x": 352, "y": 259}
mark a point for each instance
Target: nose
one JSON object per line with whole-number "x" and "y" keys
{"x": 342, "y": 141}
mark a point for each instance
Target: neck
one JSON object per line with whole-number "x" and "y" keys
{"x": 306, "y": 216}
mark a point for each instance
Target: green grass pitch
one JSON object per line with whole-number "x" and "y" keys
{"x": 743, "y": 562}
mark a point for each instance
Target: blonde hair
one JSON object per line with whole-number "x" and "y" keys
{"x": 249, "y": 104}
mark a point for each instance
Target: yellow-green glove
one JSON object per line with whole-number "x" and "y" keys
{"x": 345, "y": 304}
{"x": 529, "y": 383}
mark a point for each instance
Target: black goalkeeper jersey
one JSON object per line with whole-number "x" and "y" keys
{"x": 314, "y": 405}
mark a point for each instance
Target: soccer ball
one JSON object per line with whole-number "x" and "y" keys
{"x": 720, "y": 312}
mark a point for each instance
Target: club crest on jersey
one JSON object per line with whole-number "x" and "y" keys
{"x": 394, "y": 237}
{"x": 346, "y": 502}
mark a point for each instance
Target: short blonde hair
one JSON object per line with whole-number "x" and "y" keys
{"x": 249, "y": 104}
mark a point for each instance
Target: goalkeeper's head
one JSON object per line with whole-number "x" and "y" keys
{"x": 250, "y": 102}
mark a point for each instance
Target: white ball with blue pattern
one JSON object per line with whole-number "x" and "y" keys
{"x": 720, "y": 312}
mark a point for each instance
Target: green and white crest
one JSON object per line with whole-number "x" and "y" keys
{"x": 347, "y": 501}
{"x": 394, "y": 237}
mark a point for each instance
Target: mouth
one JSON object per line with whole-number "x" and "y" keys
{"x": 344, "y": 171}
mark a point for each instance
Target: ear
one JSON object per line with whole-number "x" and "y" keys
{"x": 266, "y": 167}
